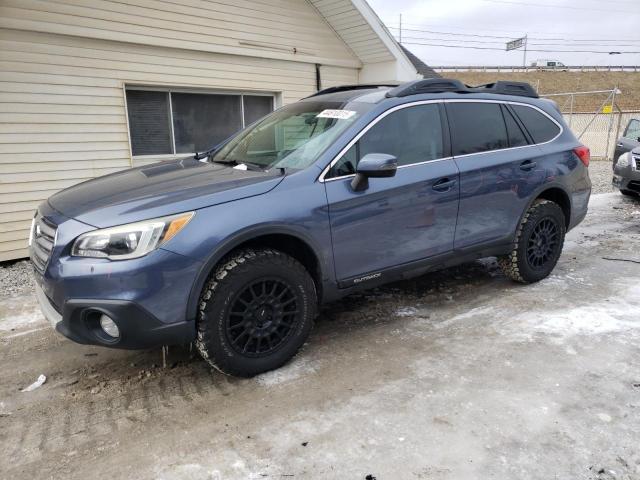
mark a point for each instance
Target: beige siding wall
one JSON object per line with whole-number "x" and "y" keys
{"x": 333, "y": 76}
{"x": 62, "y": 107}
{"x": 265, "y": 28}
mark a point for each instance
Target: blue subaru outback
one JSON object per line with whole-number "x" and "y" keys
{"x": 235, "y": 248}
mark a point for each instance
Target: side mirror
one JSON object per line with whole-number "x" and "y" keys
{"x": 373, "y": 165}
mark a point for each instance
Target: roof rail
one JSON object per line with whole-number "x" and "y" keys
{"x": 345, "y": 88}
{"x": 428, "y": 85}
{"x": 504, "y": 87}
{"x": 440, "y": 85}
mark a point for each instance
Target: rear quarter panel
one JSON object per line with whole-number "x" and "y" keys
{"x": 563, "y": 169}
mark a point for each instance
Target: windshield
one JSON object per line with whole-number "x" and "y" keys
{"x": 293, "y": 136}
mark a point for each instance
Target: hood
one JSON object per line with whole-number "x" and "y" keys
{"x": 160, "y": 189}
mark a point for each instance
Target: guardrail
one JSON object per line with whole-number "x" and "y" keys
{"x": 513, "y": 68}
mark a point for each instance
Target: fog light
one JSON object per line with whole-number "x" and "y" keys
{"x": 109, "y": 326}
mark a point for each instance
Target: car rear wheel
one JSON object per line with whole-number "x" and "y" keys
{"x": 538, "y": 243}
{"x": 255, "y": 312}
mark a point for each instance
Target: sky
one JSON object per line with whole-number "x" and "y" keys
{"x": 587, "y": 25}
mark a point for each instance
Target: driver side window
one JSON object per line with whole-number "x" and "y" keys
{"x": 412, "y": 135}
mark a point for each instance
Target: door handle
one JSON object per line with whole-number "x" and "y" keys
{"x": 443, "y": 185}
{"x": 527, "y": 165}
{"x": 620, "y": 144}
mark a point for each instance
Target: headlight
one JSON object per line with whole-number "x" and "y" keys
{"x": 623, "y": 160}
{"x": 129, "y": 241}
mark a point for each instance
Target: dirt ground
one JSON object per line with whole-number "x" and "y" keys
{"x": 455, "y": 375}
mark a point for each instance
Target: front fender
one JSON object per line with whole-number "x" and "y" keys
{"x": 235, "y": 241}
{"x": 295, "y": 208}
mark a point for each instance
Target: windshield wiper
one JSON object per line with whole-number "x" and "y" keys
{"x": 234, "y": 162}
{"x": 206, "y": 153}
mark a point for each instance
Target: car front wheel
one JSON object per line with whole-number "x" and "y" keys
{"x": 255, "y": 312}
{"x": 538, "y": 243}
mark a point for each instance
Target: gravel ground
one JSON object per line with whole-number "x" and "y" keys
{"x": 600, "y": 173}
{"x": 16, "y": 279}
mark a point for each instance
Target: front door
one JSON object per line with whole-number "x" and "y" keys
{"x": 396, "y": 220}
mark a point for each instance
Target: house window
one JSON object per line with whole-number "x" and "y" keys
{"x": 175, "y": 122}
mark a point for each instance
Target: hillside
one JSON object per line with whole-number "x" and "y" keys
{"x": 561, "y": 82}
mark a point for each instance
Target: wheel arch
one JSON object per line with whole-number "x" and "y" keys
{"x": 284, "y": 239}
{"x": 555, "y": 193}
{"x": 559, "y": 196}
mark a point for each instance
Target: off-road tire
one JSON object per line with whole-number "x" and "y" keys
{"x": 515, "y": 265}
{"x": 235, "y": 274}
{"x": 630, "y": 193}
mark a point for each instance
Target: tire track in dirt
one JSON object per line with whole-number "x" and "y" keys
{"x": 88, "y": 423}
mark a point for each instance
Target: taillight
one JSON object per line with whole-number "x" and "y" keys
{"x": 583, "y": 153}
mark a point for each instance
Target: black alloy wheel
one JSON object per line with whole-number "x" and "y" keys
{"x": 255, "y": 311}
{"x": 543, "y": 243}
{"x": 538, "y": 243}
{"x": 262, "y": 317}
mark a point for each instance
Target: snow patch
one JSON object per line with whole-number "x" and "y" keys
{"x": 14, "y": 322}
{"x": 604, "y": 417}
{"x": 188, "y": 471}
{"x": 27, "y": 332}
{"x": 296, "y": 369}
{"x": 406, "y": 312}
{"x": 474, "y": 312}
{"x": 553, "y": 281}
{"x": 602, "y": 199}
{"x": 619, "y": 314}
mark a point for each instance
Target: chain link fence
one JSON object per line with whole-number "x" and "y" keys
{"x": 595, "y": 118}
{"x": 600, "y": 131}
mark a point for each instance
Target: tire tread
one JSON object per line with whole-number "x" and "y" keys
{"x": 238, "y": 262}
{"x": 510, "y": 264}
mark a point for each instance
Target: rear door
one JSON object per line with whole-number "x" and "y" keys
{"x": 396, "y": 220}
{"x": 630, "y": 139}
{"x": 498, "y": 171}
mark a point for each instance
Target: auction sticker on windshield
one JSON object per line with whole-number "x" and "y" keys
{"x": 341, "y": 114}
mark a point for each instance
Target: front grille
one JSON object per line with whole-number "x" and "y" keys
{"x": 637, "y": 162}
{"x": 43, "y": 238}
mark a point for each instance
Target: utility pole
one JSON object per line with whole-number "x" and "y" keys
{"x": 400, "y": 40}
{"x": 524, "y": 58}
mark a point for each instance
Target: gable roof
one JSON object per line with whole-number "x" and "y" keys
{"x": 423, "y": 69}
{"x": 355, "y": 22}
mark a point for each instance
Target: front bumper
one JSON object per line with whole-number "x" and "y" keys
{"x": 138, "y": 328}
{"x": 624, "y": 183}
{"x": 146, "y": 297}
{"x": 627, "y": 178}
{"x": 48, "y": 310}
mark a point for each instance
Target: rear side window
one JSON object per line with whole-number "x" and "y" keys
{"x": 412, "y": 135}
{"x": 514, "y": 132}
{"x": 539, "y": 126}
{"x": 477, "y": 127}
